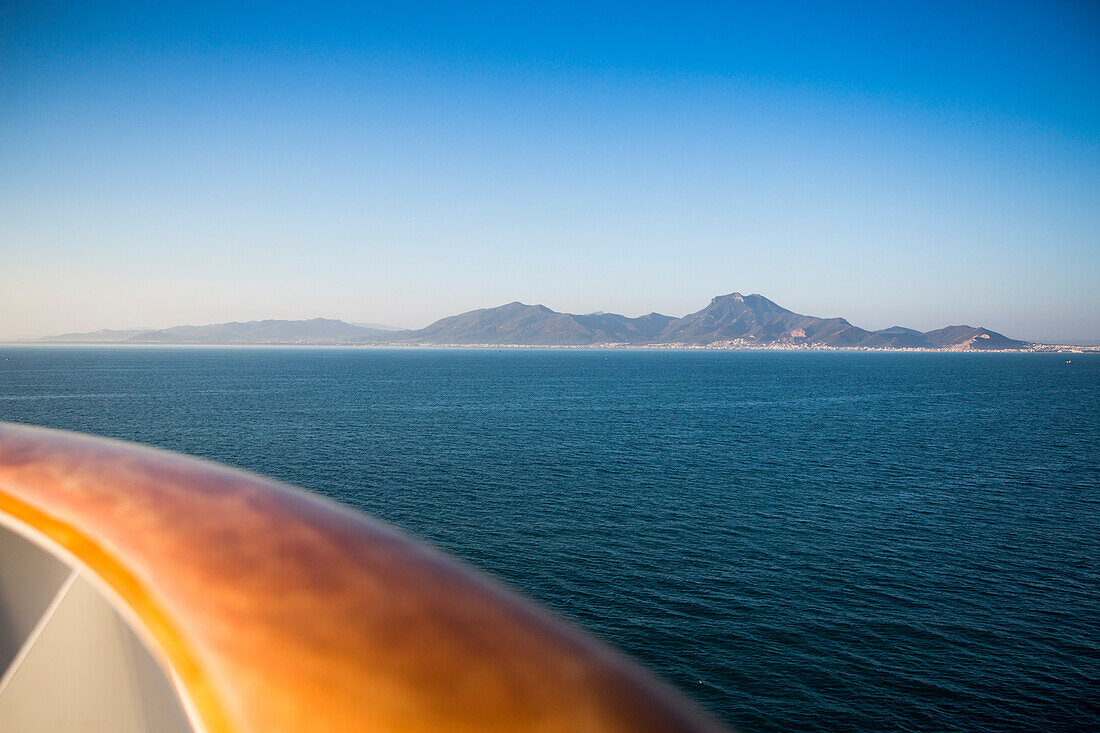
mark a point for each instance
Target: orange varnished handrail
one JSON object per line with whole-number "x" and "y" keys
{"x": 280, "y": 611}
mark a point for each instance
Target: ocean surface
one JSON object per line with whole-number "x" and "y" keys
{"x": 800, "y": 541}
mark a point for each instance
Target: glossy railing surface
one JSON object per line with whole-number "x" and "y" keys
{"x": 270, "y": 609}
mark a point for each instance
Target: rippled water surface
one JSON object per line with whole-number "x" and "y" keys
{"x": 816, "y": 541}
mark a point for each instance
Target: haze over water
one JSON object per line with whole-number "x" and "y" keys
{"x": 806, "y": 541}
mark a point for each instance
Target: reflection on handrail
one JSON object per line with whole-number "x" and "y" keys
{"x": 270, "y": 609}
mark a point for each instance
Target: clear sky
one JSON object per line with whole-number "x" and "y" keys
{"x": 916, "y": 163}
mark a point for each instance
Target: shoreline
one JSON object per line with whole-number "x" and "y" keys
{"x": 1033, "y": 349}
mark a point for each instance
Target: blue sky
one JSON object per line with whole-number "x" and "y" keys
{"x": 913, "y": 163}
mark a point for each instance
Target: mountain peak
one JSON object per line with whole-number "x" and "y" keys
{"x": 516, "y": 305}
{"x": 755, "y": 302}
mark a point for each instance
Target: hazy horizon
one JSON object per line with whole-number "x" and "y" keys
{"x": 919, "y": 164}
{"x": 390, "y": 326}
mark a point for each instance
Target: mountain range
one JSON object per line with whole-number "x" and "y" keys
{"x": 732, "y": 320}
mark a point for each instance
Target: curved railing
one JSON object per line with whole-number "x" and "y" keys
{"x": 215, "y": 600}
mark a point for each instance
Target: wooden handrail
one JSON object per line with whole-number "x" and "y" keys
{"x": 277, "y": 610}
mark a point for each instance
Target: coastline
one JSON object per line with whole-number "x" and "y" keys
{"x": 719, "y": 346}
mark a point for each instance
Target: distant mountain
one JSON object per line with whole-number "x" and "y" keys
{"x": 756, "y": 320}
{"x": 514, "y": 323}
{"x": 314, "y": 331}
{"x": 613, "y": 328}
{"x": 970, "y": 338}
{"x": 102, "y": 336}
{"x": 537, "y": 325}
{"x": 732, "y": 320}
{"x": 896, "y": 337}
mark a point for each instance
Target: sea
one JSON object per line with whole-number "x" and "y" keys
{"x": 798, "y": 541}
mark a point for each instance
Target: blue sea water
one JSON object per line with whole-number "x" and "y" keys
{"x": 800, "y": 541}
